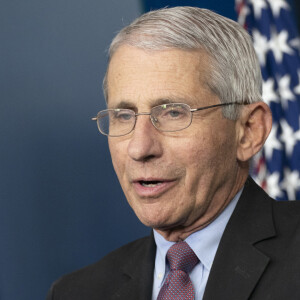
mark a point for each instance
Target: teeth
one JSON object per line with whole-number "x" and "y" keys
{"x": 150, "y": 184}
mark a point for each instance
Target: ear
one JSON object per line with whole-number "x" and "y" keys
{"x": 254, "y": 126}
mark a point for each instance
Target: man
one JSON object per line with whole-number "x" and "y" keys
{"x": 185, "y": 115}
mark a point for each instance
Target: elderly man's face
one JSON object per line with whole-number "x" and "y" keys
{"x": 174, "y": 181}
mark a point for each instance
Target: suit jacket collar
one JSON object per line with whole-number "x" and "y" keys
{"x": 138, "y": 273}
{"x": 238, "y": 265}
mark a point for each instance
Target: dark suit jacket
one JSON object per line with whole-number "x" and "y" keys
{"x": 258, "y": 258}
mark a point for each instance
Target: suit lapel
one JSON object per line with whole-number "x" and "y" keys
{"x": 238, "y": 265}
{"x": 137, "y": 274}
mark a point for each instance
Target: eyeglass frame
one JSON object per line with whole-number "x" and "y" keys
{"x": 192, "y": 110}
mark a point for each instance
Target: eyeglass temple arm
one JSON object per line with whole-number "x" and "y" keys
{"x": 216, "y": 105}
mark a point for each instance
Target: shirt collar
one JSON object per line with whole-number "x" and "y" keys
{"x": 204, "y": 242}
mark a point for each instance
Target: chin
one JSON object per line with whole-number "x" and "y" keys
{"x": 158, "y": 222}
{"x": 155, "y": 214}
{"x": 155, "y": 222}
{"x": 151, "y": 223}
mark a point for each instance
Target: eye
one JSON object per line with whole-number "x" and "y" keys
{"x": 173, "y": 112}
{"x": 122, "y": 115}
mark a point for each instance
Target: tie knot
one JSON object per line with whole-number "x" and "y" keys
{"x": 182, "y": 257}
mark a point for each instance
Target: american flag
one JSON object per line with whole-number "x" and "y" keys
{"x": 276, "y": 41}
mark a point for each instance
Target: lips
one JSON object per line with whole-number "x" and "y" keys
{"x": 152, "y": 187}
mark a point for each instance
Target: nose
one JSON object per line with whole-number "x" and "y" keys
{"x": 145, "y": 142}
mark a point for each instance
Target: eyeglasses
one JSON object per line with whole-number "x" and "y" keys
{"x": 166, "y": 117}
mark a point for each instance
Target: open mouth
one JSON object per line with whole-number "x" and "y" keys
{"x": 150, "y": 183}
{"x": 152, "y": 187}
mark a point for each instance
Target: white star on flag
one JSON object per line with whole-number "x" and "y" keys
{"x": 288, "y": 137}
{"x": 279, "y": 45}
{"x": 269, "y": 94}
{"x": 258, "y": 6}
{"x": 284, "y": 90}
{"x": 272, "y": 142}
{"x": 295, "y": 43}
{"x": 277, "y": 5}
{"x": 261, "y": 46}
{"x": 273, "y": 185}
{"x": 291, "y": 183}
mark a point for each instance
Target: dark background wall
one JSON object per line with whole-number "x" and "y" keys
{"x": 60, "y": 203}
{"x": 59, "y": 197}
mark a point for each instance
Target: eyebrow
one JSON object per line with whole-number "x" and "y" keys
{"x": 124, "y": 104}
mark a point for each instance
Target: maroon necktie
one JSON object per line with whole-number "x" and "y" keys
{"x": 178, "y": 285}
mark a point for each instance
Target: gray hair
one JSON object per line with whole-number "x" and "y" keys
{"x": 235, "y": 74}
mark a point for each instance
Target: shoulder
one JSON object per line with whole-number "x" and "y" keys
{"x": 96, "y": 279}
{"x": 255, "y": 191}
{"x": 286, "y": 214}
{"x": 283, "y": 212}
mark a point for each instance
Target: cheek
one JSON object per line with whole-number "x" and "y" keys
{"x": 198, "y": 150}
{"x": 117, "y": 156}
{"x": 205, "y": 155}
